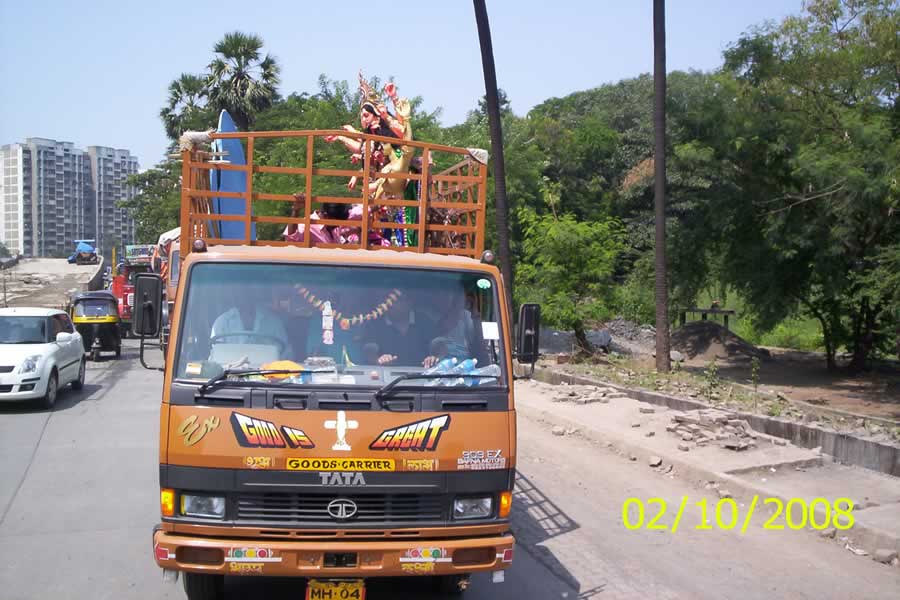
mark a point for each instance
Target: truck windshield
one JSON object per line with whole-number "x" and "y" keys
{"x": 341, "y": 325}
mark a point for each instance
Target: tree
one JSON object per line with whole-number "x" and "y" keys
{"x": 240, "y": 81}
{"x": 568, "y": 267}
{"x": 156, "y": 204}
{"x": 4, "y": 251}
{"x": 816, "y": 147}
{"x": 186, "y": 109}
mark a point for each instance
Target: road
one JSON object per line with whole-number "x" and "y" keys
{"x": 79, "y": 493}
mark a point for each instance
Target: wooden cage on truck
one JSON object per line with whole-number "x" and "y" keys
{"x": 449, "y": 202}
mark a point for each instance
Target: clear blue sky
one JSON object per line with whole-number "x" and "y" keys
{"x": 95, "y": 72}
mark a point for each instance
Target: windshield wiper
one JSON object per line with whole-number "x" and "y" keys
{"x": 387, "y": 389}
{"x": 223, "y": 376}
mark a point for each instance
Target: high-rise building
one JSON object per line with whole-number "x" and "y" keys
{"x": 110, "y": 169}
{"x": 52, "y": 193}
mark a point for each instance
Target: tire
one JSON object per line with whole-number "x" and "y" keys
{"x": 200, "y": 586}
{"x": 49, "y": 398}
{"x": 79, "y": 383}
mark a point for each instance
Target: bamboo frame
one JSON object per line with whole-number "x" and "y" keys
{"x": 451, "y": 202}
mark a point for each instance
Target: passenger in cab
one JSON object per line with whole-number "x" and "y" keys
{"x": 250, "y": 321}
{"x": 398, "y": 338}
{"x": 455, "y": 334}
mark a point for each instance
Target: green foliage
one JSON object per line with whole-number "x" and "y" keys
{"x": 711, "y": 381}
{"x": 634, "y": 299}
{"x": 186, "y": 109}
{"x": 241, "y": 80}
{"x": 4, "y": 251}
{"x": 157, "y": 200}
{"x": 568, "y": 266}
{"x": 818, "y": 157}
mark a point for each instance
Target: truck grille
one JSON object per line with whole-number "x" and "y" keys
{"x": 6, "y": 369}
{"x": 373, "y": 509}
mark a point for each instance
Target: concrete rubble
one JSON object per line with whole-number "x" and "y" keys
{"x": 707, "y": 426}
{"x": 583, "y": 394}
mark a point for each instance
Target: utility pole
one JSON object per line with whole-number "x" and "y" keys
{"x": 659, "y": 173}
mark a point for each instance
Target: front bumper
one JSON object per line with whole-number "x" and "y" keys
{"x": 15, "y": 386}
{"x": 377, "y": 558}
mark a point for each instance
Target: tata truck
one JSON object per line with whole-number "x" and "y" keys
{"x": 335, "y": 412}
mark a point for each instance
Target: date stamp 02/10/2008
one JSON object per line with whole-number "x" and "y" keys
{"x": 796, "y": 513}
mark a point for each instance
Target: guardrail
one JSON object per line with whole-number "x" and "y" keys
{"x": 96, "y": 280}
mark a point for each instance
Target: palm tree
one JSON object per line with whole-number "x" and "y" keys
{"x": 187, "y": 105}
{"x": 493, "y": 112}
{"x": 659, "y": 164}
{"x": 239, "y": 81}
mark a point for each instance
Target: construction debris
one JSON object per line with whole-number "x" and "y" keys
{"x": 714, "y": 425}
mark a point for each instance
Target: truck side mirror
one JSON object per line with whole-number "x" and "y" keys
{"x": 529, "y": 334}
{"x": 147, "y": 305}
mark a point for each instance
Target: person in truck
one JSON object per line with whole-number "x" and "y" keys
{"x": 455, "y": 332}
{"x": 249, "y": 321}
{"x": 398, "y": 338}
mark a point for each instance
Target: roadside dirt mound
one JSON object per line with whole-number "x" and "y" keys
{"x": 707, "y": 340}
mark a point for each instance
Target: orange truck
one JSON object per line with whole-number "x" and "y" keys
{"x": 336, "y": 412}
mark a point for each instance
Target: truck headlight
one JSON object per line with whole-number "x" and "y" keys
{"x": 210, "y": 507}
{"x": 473, "y": 508}
{"x": 30, "y": 364}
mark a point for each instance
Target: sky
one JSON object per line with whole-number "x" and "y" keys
{"x": 96, "y": 72}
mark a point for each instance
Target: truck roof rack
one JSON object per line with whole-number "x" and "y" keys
{"x": 448, "y": 210}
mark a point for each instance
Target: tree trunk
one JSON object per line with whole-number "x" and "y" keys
{"x": 864, "y": 337}
{"x": 582, "y": 345}
{"x": 659, "y": 160}
{"x": 493, "y": 112}
{"x": 828, "y": 337}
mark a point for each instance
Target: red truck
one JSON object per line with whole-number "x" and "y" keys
{"x": 138, "y": 259}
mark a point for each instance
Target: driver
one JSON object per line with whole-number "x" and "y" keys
{"x": 250, "y": 316}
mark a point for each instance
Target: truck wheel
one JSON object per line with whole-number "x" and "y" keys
{"x": 451, "y": 585}
{"x": 200, "y": 586}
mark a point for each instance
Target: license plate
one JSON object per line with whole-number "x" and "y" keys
{"x": 325, "y": 589}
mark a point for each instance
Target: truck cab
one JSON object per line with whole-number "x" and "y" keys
{"x": 137, "y": 259}
{"x": 339, "y": 413}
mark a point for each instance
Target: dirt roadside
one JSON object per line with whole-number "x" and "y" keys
{"x": 793, "y": 375}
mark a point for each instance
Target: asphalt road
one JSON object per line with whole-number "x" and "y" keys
{"x": 79, "y": 489}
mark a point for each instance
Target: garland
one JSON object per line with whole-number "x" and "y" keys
{"x": 344, "y": 322}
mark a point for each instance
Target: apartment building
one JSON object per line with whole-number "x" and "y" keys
{"x": 52, "y": 193}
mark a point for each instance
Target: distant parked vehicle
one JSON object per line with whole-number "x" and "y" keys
{"x": 40, "y": 352}
{"x": 85, "y": 253}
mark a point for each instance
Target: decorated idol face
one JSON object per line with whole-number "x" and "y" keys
{"x": 368, "y": 120}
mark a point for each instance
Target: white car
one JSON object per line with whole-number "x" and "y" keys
{"x": 40, "y": 352}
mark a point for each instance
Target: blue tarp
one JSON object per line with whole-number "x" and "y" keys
{"x": 81, "y": 248}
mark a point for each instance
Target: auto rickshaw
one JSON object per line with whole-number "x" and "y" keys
{"x": 96, "y": 317}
